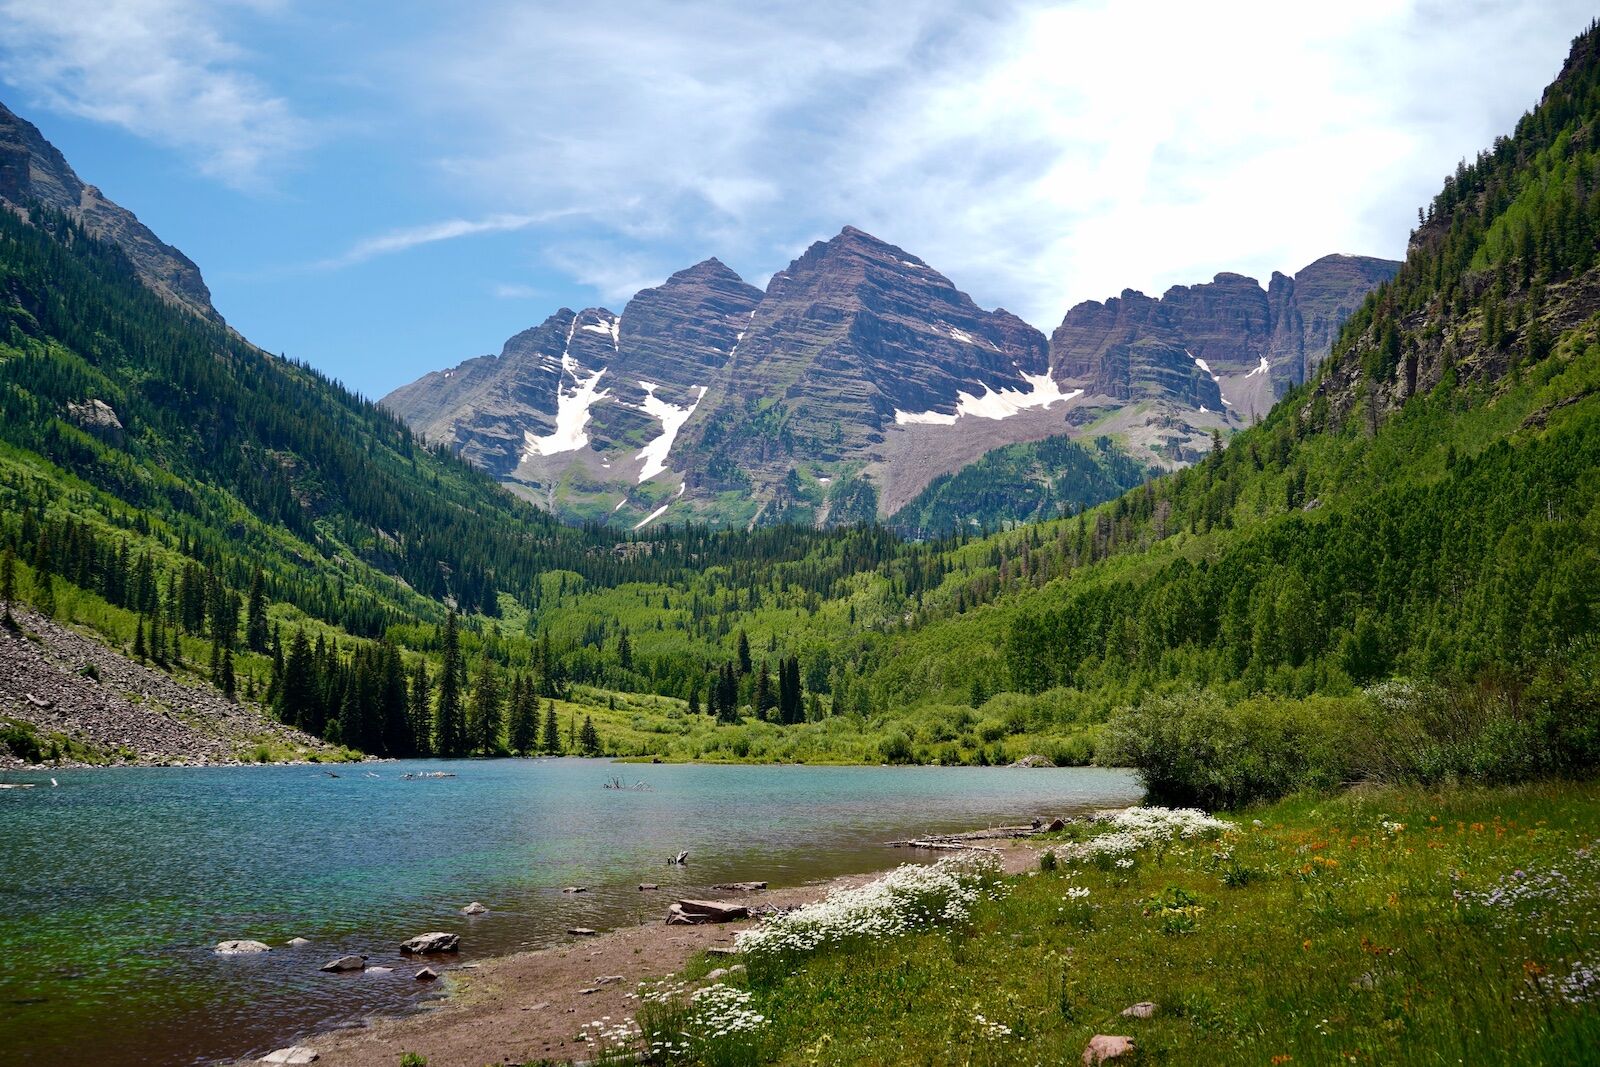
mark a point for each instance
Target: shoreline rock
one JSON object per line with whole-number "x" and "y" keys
{"x": 430, "y": 943}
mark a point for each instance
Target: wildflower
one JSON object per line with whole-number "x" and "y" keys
{"x": 905, "y": 900}
{"x": 990, "y": 1029}
{"x": 1077, "y": 892}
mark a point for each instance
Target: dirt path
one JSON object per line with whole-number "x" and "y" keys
{"x": 528, "y": 1007}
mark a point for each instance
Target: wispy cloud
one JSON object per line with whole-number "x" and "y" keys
{"x": 409, "y": 237}
{"x": 1037, "y": 152}
{"x": 165, "y": 70}
{"x": 516, "y": 291}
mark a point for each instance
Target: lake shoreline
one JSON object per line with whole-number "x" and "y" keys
{"x": 526, "y": 1007}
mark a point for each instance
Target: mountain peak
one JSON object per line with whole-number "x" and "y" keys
{"x": 34, "y": 172}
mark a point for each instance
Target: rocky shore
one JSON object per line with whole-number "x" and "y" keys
{"x": 529, "y": 1007}
{"x": 69, "y": 685}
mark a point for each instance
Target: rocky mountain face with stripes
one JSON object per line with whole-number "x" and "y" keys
{"x": 859, "y": 376}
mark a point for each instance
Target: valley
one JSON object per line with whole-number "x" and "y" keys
{"x": 810, "y": 566}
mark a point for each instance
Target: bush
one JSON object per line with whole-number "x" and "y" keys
{"x": 22, "y": 741}
{"x": 1194, "y": 748}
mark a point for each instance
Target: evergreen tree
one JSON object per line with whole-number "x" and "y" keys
{"x": 552, "y": 730}
{"x": 745, "y": 666}
{"x": 450, "y": 722}
{"x": 255, "y": 629}
{"x": 421, "y": 710}
{"x": 764, "y": 700}
{"x": 524, "y": 724}
{"x": 229, "y": 683}
{"x": 624, "y": 650}
{"x": 138, "y": 638}
{"x": 484, "y": 719}
{"x": 297, "y": 702}
{"x": 694, "y": 699}
{"x": 589, "y": 738}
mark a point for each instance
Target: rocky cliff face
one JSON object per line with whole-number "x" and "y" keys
{"x": 1227, "y": 344}
{"x": 855, "y": 379}
{"x": 32, "y": 171}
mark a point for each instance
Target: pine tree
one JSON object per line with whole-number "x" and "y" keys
{"x": 450, "y": 724}
{"x": 589, "y": 738}
{"x": 764, "y": 700}
{"x": 421, "y": 710}
{"x": 138, "y": 638}
{"x": 483, "y": 722}
{"x": 524, "y": 725}
{"x": 255, "y": 628}
{"x": 694, "y": 699}
{"x": 745, "y": 666}
{"x": 624, "y": 650}
{"x": 552, "y": 730}
{"x": 230, "y": 684}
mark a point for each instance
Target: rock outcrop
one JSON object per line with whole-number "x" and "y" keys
{"x": 33, "y": 171}
{"x": 859, "y": 376}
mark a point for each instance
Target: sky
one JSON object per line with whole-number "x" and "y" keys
{"x": 386, "y": 187}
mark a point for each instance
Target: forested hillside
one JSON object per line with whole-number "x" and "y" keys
{"x": 1395, "y": 574}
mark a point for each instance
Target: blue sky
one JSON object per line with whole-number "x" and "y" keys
{"x": 386, "y": 188}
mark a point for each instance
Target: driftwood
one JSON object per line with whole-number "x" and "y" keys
{"x": 740, "y": 887}
{"x": 943, "y": 846}
{"x": 696, "y": 912}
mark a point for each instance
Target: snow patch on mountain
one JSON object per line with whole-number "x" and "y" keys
{"x": 672, "y": 419}
{"x": 1042, "y": 391}
{"x": 653, "y": 516}
{"x": 1202, "y": 364}
{"x": 572, "y": 408}
{"x": 1263, "y": 368}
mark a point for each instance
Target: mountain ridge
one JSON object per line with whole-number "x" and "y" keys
{"x": 858, "y": 376}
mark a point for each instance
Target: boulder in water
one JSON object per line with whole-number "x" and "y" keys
{"x": 241, "y": 948}
{"x": 346, "y": 963}
{"x": 474, "y": 909}
{"x": 423, "y": 944}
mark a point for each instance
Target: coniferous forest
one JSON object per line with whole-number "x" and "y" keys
{"x": 1394, "y": 574}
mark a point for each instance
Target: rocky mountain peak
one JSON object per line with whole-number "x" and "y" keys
{"x": 33, "y": 171}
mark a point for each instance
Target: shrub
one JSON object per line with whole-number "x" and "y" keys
{"x": 22, "y": 741}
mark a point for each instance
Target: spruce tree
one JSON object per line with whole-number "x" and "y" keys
{"x": 229, "y": 683}
{"x": 450, "y": 723}
{"x": 138, "y": 638}
{"x": 552, "y": 730}
{"x": 421, "y": 710}
{"x": 764, "y": 700}
{"x": 483, "y": 722}
{"x": 524, "y": 719}
{"x": 745, "y": 666}
{"x": 255, "y": 627}
{"x": 589, "y": 738}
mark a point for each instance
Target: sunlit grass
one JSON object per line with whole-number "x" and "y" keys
{"x": 1380, "y": 926}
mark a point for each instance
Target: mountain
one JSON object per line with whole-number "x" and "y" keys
{"x": 33, "y": 173}
{"x": 855, "y": 380}
{"x": 1225, "y": 346}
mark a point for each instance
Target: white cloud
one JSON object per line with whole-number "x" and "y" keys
{"x": 1038, "y": 153}
{"x": 516, "y": 291}
{"x": 409, "y": 237}
{"x": 161, "y": 69}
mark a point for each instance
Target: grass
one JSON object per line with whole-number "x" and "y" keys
{"x": 1379, "y": 926}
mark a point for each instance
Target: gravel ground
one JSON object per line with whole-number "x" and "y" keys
{"x": 45, "y": 681}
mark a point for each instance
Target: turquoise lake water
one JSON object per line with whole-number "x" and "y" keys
{"x": 116, "y": 885}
